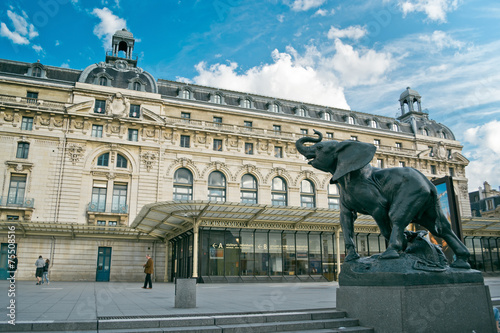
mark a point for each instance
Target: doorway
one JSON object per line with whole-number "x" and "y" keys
{"x": 103, "y": 264}
{"x": 5, "y": 248}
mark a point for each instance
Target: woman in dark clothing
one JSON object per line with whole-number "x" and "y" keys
{"x": 46, "y": 271}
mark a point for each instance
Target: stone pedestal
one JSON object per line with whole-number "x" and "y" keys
{"x": 396, "y": 296}
{"x": 185, "y": 293}
{"x": 428, "y": 308}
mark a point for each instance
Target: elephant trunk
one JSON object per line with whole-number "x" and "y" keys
{"x": 308, "y": 152}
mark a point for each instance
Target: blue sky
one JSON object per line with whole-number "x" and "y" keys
{"x": 352, "y": 54}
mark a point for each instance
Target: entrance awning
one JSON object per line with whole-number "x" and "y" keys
{"x": 171, "y": 218}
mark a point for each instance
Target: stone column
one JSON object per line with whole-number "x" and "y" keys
{"x": 337, "y": 250}
{"x": 195, "y": 248}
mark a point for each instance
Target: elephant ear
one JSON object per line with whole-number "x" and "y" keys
{"x": 350, "y": 156}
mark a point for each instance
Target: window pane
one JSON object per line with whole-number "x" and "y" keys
{"x": 119, "y": 198}
{"x": 216, "y": 178}
{"x": 289, "y": 252}
{"x": 135, "y": 111}
{"x": 22, "y": 150}
{"x": 279, "y": 184}
{"x": 314, "y": 254}
{"x": 103, "y": 160}
{"x": 249, "y": 148}
{"x": 16, "y": 189}
{"x": 133, "y": 135}
{"x": 306, "y": 186}
{"x": 27, "y": 123}
{"x": 301, "y": 246}
{"x": 232, "y": 255}
{"x": 121, "y": 162}
{"x": 99, "y": 198}
{"x": 247, "y": 252}
{"x": 216, "y": 253}
{"x": 275, "y": 253}
{"x": 183, "y": 185}
{"x": 100, "y": 106}
{"x": 261, "y": 253}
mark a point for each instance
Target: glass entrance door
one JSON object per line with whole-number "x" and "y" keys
{"x": 103, "y": 264}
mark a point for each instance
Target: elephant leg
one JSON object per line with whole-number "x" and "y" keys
{"x": 402, "y": 212}
{"x": 347, "y": 219}
{"x": 445, "y": 232}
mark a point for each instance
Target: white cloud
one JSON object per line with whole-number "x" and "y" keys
{"x": 354, "y": 32}
{"x": 485, "y": 140}
{"x": 287, "y": 78}
{"x": 109, "y": 24}
{"x": 304, "y": 5}
{"x": 65, "y": 65}
{"x": 442, "y": 40}
{"x": 57, "y": 43}
{"x": 37, "y": 48}
{"x": 281, "y": 18}
{"x": 434, "y": 9}
{"x": 23, "y": 30}
{"x": 321, "y": 12}
{"x": 365, "y": 67}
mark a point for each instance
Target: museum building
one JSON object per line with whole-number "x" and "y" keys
{"x": 105, "y": 165}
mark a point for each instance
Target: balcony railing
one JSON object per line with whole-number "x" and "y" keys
{"x": 17, "y": 202}
{"x": 16, "y": 101}
{"x": 97, "y": 207}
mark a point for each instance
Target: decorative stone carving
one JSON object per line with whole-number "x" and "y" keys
{"x": 75, "y": 152}
{"x": 117, "y": 105}
{"x": 148, "y": 158}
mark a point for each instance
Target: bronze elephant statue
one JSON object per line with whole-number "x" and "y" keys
{"x": 394, "y": 197}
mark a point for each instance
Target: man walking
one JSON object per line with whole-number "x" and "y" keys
{"x": 148, "y": 269}
{"x": 39, "y": 269}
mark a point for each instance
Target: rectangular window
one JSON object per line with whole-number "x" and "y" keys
{"x": 112, "y": 223}
{"x": 489, "y": 204}
{"x": 329, "y": 135}
{"x": 100, "y": 106}
{"x": 354, "y": 138}
{"x": 376, "y": 142}
{"x": 333, "y": 203}
{"x": 97, "y": 131}
{"x": 433, "y": 169}
{"x": 401, "y": 164}
{"x": 185, "y": 116}
{"x": 27, "y": 124}
{"x": 248, "y": 148}
{"x": 452, "y": 172}
{"x": 278, "y": 152}
{"x": 133, "y": 134}
{"x": 217, "y": 121}
{"x": 277, "y": 129}
{"x": 380, "y": 163}
{"x": 399, "y": 145}
{"x": 99, "y": 191}
{"x": 12, "y": 217}
{"x": 303, "y": 131}
{"x": 22, "y": 150}
{"x": 247, "y": 124}
{"x": 119, "y": 204}
{"x": 100, "y": 222}
{"x": 17, "y": 188}
{"x": 217, "y": 145}
{"x": 135, "y": 111}
{"x": 185, "y": 141}
{"x": 32, "y": 97}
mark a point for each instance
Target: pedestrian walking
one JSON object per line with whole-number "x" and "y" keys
{"x": 39, "y": 269}
{"x": 148, "y": 269}
{"x": 46, "y": 272}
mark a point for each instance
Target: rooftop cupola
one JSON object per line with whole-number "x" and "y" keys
{"x": 410, "y": 101}
{"x": 122, "y": 48}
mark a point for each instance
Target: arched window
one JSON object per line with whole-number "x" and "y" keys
{"x": 327, "y": 116}
{"x": 333, "y": 196}
{"x": 248, "y": 189}
{"x": 37, "y": 72}
{"x": 246, "y": 103}
{"x": 137, "y": 86}
{"x": 103, "y": 81}
{"x": 279, "y": 192}
{"x": 307, "y": 197}
{"x": 183, "y": 185}
{"x": 425, "y": 132}
{"x": 217, "y": 99}
{"x": 301, "y": 112}
{"x": 103, "y": 160}
{"x": 121, "y": 161}
{"x": 186, "y": 94}
{"x": 350, "y": 120}
{"x": 395, "y": 127}
{"x": 217, "y": 187}
{"x": 275, "y": 108}
{"x": 373, "y": 124}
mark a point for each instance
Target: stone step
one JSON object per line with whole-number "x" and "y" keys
{"x": 286, "y": 321}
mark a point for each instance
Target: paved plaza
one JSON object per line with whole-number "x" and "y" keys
{"x": 87, "y": 301}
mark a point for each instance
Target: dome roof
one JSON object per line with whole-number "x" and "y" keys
{"x": 124, "y": 33}
{"x": 409, "y": 92}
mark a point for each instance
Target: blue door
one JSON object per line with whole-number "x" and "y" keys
{"x": 6, "y": 250}
{"x": 103, "y": 264}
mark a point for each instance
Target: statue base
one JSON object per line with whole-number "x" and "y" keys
{"x": 397, "y": 295}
